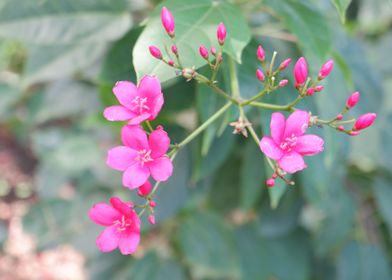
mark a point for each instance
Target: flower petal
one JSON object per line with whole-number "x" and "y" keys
{"x": 117, "y": 113}
{"x": 135, "y": 176}
{"x": 134, "y": 137}
{"x": 125, "y": 92}
{"x": 277, "y": 127}
{"x": 159, "y": 142}
{"x": 128, "y": 242}
{"x": 297, "y": 123}
{"x": 156, "y": 106}
{"x": 108, "y": 240}
{"x": 270, "y": 149}
{"x": 121, "y": 157}
{"x": 161, "y": 168}
{"x": 140, "y": 118}
{"x": 103, "y": 214}
{"x": 149, "y": 87}
{"x": 308, "y": 145}
{"x": 292, "y": 162}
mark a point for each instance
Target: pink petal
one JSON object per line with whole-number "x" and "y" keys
{"x": 277, "y": 127}
{"x": 108, "y": 240}
{"x": 103, "y": 214}
{"x": 140, "y": 118}
{"x": 292, "y": 162}
{"x": 297, "y": 123}
{"x": 118, "y": 113}
{"x": 149, "y": 87}
{"x": 134, "y": 137}
{"x": 161, "y": 168}
{"x": 270, "y": 149}
{"x": 159, "y": 142}
{"x": 121, "y": 157}
{"x": 125, "y": 92}
{"x": 156, "y": 106}
{"x": 135, "y": 176}
{"x": 308, "y": 145}
{"x": 128, "y": 242}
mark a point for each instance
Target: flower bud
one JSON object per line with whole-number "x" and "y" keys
{"x": 213, "y": 51}
{"x": 310, "y": 91}
{"x": 318, "y": 88}
{"x": 340, "y": 128}
{"x": 260, "y": 75}
{"x": 203, "y": 52}
{"x": 170, "y": 62}
{"x": 285, "y": 63}
{"x": 283, "y": 83}
{"x": 325, "y": 69}
{"x": 354, "y": 133}
{"x": 352, "y": 100}
{"x": 174, "y": 49}
{"x": 168, "y": 21}
{"x": 144, "y": 189}
{"x": 339, "y": 117}
{"x": 188, "y": 73}
{"x": 155, "y": 52}
{"x": 151, "y": 219}
{"x": 365, "y": 121}
{"x": 260, "y": 53}
{"x": 221, "y": 33}
{"x": 270, "y": 182}
{"x": 300, "y": 71}
{"x": 153, "y": 203}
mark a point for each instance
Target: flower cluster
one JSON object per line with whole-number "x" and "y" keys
{"x": 145, "y": 154}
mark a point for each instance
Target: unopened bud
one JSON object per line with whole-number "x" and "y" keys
{"x": 365, "y": 121}
{"x": 170, "y": 62}
{"x": 168, "y": 21}
{"x": 318, "y": 88}
{"x": 213, "y": 51}
{"x": 270, "y": 182}
{"x": 285, "y": 64}
{"x": 153, "y": 203}
{"x": 300, "y": 71}
{"x": 174, "y": 49}
{"x": 221, "y": 33}
{"x": 151, "y": 219}
{"x": 203, "y": 52}
{"x": 260, "y": 53}
{"x": 144, "y": 189}
{"x": 339, "y": 117}
{"x": 283, "y": 83}
{"x": 340, "y": 128}
{"x": 155, "y": 52}
{"x": 310, "y": 91}
{"x": 352, "y": 100}
{"x": 260, "y": 75}
{"x": 325, "y": 69}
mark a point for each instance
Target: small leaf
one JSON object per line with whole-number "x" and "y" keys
{"x": 341, "y": 7}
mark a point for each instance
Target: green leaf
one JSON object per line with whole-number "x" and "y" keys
{"x": 196, "y": 24}
{"x": 363, "y": 261}
{"x": 383, "y": 194}
{"x": 208, "y": 246}
{"x": 341, "y": 7}
{"x": 252, "y": 176}
{"x": 307, "y": 23}
{"x": 9, "y": 95}
{"x": 64, "y": 22}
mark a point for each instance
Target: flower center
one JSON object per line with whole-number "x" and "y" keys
{"x": 144, "y": 156}
{"x": 122, "y": 224}
{"x": 289, "y": 143}
{"x": 140, "y": 104}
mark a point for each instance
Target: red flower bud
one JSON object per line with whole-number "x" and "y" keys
{"x": 174, "y": 49}
{"x": 170, "y": 62}
{"x": 365, "y": 121}
{"x": 203, "y": 52}
{"x": 260, "y": 75}
{"x": 153, "y": 203}
{"x": 168, "y": 21}
{"x": 310, "y": 91}
{"x": 339, "y": 117}
{"x": 318, "y": 88}
{"x": 260, "y": 53}
{"x": 354, "y": 133}
{"x": 270, "y": 182}
{"x": 144, "y": 189}
{"x": 155, "y": 52}
{"x": 325, "y": 69}
{"x": 300, "y": 71}
{"x": 352, "y": 100}
{"x": 213, "y": 51}
{"x": 285, "y": 63}
{"x": 151, "y": 219}
{"x": 283, "y": 83}
{"x": 340, "y": 128}
{"x": 221, "y": 33}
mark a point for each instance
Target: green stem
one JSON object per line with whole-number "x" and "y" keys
{"x": 203, "y": 79}
{"x": 149, "y": 126}
{"x": 270, "y": 106}
{"x": 272, "y": 63}
{"x": 257, "y": 96}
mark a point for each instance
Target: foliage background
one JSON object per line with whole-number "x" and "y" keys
{"x": 215, "y": 219}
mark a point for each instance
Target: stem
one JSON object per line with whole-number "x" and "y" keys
{"x": 203, "y": 79}
{"x": 149, "y": 126}
{"x": 272, "y": 63}
{"x": 270, "y": 106}
{"x": 257, "y": 96}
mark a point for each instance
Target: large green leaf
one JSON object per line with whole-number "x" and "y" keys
{"x": 208, "y": 247}
{"x": 64, "y": 22}
{"x": 383, "y": 193}
{"x": 196, "y": 24}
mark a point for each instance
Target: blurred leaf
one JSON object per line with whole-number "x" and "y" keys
{"x": 383, "y": 194}
{"x": 152, "y": 267}
{"x": 286, "y": 258}
{"x": 196, "y": 24}
{"x": 277, "y": 191}
{"x": 363, "y": 261}
{"x": 8, "y": 97}
{"x": 252, "y": 176}
{"x": 208, "y": 246}
{"x": 341, "y": 7}
{"x": 64, "y": 22}
{"x": 307, "y": 23}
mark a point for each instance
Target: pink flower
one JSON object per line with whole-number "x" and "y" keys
{"x": 325, "y": 69}
{"x": 300, "y": 71}
{"x": 122, "y": 226}
{"x": 141, "y": 157}
{"x": 260, "y": 53}
{"x": 137, "y": 104}
{"x": 288, "y": 144}
{"x": 352, "y": 100}
{"x": 221, "y": 33}
{"x": 168, "y": 21}
{"x": 365, "y": 121}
